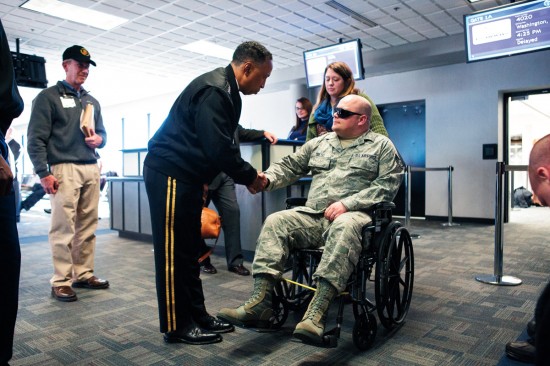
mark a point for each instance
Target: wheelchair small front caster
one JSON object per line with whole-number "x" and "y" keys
{"x": 330, "y": 340}
{"x": 364, "y": 331}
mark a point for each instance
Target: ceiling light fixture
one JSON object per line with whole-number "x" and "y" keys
{"x": 75, "y": 13}
{"x": 336, "y": 5}
{"x": 209, "y": 49}
{"x": 473, "y": 1}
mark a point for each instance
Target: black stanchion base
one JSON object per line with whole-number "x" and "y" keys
{"x": 499, "y": 280}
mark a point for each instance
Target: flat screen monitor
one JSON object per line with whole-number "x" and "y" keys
{"x": 316, "y": 60}
{"x": 507, "y": 30}
{"x": 30, "y": 70}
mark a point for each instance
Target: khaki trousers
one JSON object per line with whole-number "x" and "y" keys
{"x": 73, "y": 222}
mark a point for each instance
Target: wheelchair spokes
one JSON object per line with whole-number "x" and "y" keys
{"x": 394, "y": 276}
{"x": 280, "y": 312}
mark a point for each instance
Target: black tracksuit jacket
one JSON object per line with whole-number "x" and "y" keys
{"x": 196, "y": 141}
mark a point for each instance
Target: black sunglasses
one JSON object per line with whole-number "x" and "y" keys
{"x": 344, "y": 113}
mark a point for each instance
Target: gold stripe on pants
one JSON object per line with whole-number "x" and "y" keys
{"x": 169, "y": 254}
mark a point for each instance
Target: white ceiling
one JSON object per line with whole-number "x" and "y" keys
{"x": 145, "y": 51}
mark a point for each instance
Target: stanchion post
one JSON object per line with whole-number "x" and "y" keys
{"x": 498, "y": 278}
{"x": 408, "y": 188}
{"x": 450, "y": 199}
{"x": 408, "y": 196}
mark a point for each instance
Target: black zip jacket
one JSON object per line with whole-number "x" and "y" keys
{"x": 196, "y": 141}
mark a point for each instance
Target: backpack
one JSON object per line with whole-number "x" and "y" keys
{"x": 522, "y": 198}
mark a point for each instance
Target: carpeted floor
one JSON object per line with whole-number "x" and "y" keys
{"x": 453, "y": 319}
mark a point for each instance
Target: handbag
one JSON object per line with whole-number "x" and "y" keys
{"x": 210, "y": 224}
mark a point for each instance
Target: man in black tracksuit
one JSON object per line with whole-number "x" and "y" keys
{"x": 194, "y": 144}
{"x": 11, "y": 106}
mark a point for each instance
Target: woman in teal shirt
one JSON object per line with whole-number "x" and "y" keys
{"x": 338, "y": 82}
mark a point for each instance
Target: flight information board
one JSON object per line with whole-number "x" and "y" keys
{"x": 507, "y": 30}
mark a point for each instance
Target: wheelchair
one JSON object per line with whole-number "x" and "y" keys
{"x": 386, "y": 247}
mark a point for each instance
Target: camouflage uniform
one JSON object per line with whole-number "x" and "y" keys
{"x": 366, "y": 172}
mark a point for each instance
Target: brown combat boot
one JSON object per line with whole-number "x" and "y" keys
{"x": 312, "y": 326}
{"x": 257, "y": 310}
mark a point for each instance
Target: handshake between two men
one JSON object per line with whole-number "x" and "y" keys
{"x": 259, "y": 183}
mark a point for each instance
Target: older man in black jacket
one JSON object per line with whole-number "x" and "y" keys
{"x": 194, "y": 144}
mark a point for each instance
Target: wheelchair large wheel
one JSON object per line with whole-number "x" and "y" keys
{"x": 364, "y": 329}
{"x": 394, "y": 275}
{"x": 280, "y": 310}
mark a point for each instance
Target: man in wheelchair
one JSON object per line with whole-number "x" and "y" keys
{"x": 352, "y": 169}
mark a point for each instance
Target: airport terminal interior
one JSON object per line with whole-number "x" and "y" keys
{"x": 451, "y": 117}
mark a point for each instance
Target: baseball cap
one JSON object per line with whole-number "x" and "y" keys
{"x": 78, "y": 53}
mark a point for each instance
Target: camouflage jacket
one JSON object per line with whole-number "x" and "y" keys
{"x": 368, "y": 171}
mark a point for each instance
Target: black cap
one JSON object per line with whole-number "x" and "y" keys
{"x": 77, "y": 53}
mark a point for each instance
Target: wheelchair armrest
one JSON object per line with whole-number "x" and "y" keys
{"x": 295, "y": 201}
{"x": 384, "y": 205}
{"x": 382, "y": 214}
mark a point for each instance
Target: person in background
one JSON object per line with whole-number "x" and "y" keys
{"x": 192, "y": 146}
{"x": 65, "y": 159}
{"x": 303, "y": 111}
{"x": 11, "y": 106}
{"x": 368, "y": 170}
{"x": 536, "y": 349}
{"x": 15, "y": 150}
{"x": 37, "y": 192}
{"x": 338, "y": 82}
{"x": 222, "y": 192}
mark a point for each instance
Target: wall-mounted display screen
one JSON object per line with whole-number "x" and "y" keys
{"x": 507, "y": 30}
{"x": 316, "y": 60}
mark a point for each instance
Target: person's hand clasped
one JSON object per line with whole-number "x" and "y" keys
{"x": 50, "y": 184}
{"x": 259, "y": 184}
{"x": 6, "y": 177}
{"x": 335, "y": 210}
{"x": 94, "y": 140}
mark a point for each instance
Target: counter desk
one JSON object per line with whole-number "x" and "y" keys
{"x": 129, "y": 206}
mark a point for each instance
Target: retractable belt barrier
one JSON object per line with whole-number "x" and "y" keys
{"x": 498, "y": 278}
{"x": 408, "y": 179}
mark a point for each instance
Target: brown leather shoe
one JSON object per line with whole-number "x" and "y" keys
{"x": 93, "y": 283}
{"x": 240, "y": 270}
{"x": 64, "y": 293}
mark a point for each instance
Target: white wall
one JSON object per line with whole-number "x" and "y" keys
{"x": 274, "y": 110}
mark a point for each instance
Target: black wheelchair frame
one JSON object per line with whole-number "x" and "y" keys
{"x": 387, "y": 247}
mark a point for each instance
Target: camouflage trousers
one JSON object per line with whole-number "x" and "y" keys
{"x": 287, "y": 230}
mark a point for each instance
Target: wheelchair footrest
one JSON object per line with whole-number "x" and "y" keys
{"x": 259, "y": 330}
{"x": 330, "y": 338}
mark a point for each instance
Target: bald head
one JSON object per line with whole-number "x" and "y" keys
{"x": 539, "y": 169}
{"x": 355, "y": 124}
